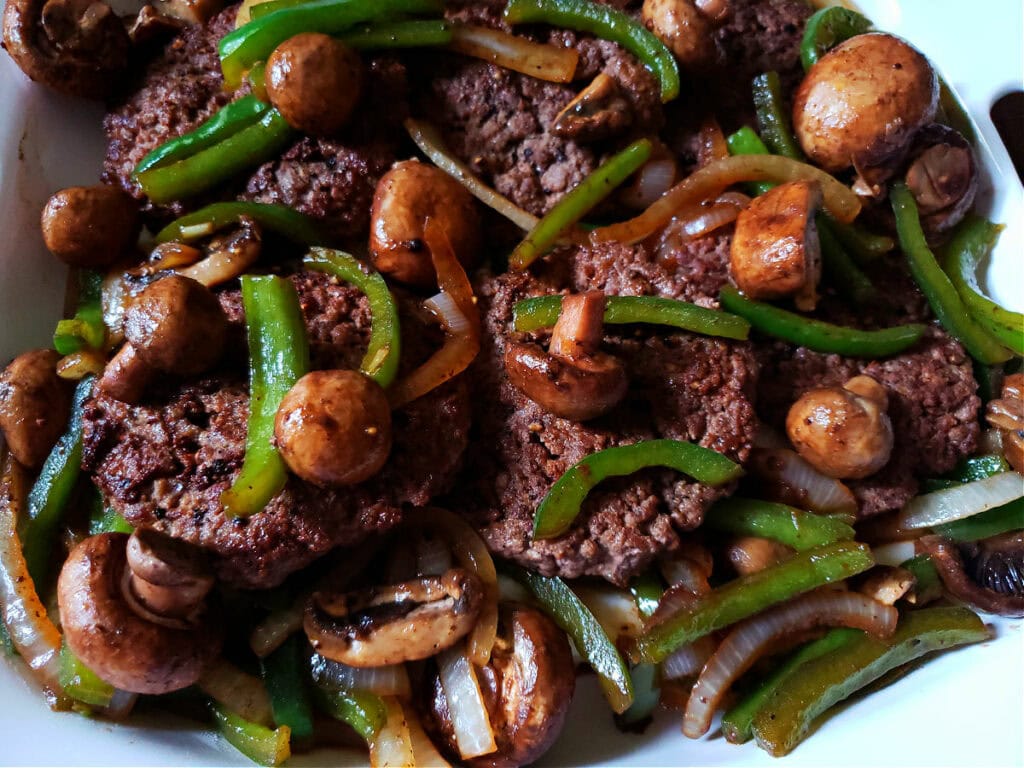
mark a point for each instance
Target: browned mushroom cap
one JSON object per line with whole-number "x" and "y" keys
{"x": 333, "y": 428}
{"x": 993, "y": 578}
{"x": 598, "y": 112}
{"x": 1007, "y": 415}
{"x": 775, "y": 250}
{"x": 90, "y": 226}
{"x": 572, "y": 380}
{"x": 527, "y": 687}
{"x": 686, "y": 30}
{"x": 943, "y": 177}
{"x": 34, "y": 405}
{"x": 406, "y": 196}
{"x": 121, "y": 647}
{"x": 862, "y": 103}
{"x": 169, "y": 578}
{"x": 396, "y": 623}
{"x": 844, "y": 432}
{"x": 79, "y": 47}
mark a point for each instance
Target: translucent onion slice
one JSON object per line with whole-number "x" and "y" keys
{"x": 713, "y": 179}
{"x": 424, "y": 752}
{"x": 614, "y": 609}
{"x": 545, "y": 62}
{"x": 238, "y": 692}
{"x": 34, "y": 636}
{"x": 221, "y": 266}
{"x": 712, "y": 144}
{"x": 392, "y": 680}
{"x": 750, "y": 639}
{"x": 688, "y": 660}
{"x": 473, "y": 733}
{"x": 793, "y": 481}
{"x": 961, "y": 501}
{"x": 685, "y": 573}
{"x": 432, "y": 145}
{"x": 443, "y": 307}
{"x": 701, "y": 220}
{"x": 275, "y": 629}
{"x": 121, "y": 704}
{"x": 894, "y": 553}
{"x": 392, "y": 746}
{"x": 433, "y": 556}
{"x": 652, "y": 181}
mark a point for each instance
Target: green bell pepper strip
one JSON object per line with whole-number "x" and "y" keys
{"x": 647, "y": 590}
{"x": 590, "y": 640}
{"x": 826, "y": 29}
{"x": 750, "y": 594}
{"x": 282, "y": 673}
{"x": 382, "y": 356}
{"x": 257, "y": 742}
{"x": 399, "y": 34}
{"x": 48, "y": 499}
{"x": 864, "y": 246}
{"x": 81, "y": 683}
{"x": 773, "y": 122}
{"x": 277, "y": 218}
{"x": 608, "y": 24}
{"x": 927, "y": 583}
{"x": 562, "y": 503}
{"x": 978, "y": 468}
{"x": 953, "y": 113}
{"x": 818, "y": 335}
{"x": 646, "y": 695}
{"x": 991, "y": 522}
{"x": 104, "y": 519}
{"x": 260, "y": 10}
{"x": 364, "y": 712}
{"x": 578, "y": 201}
{"x": 788, "y": 525}
{"x": 543, "y": 311}
{"x": 736, "y": 722}
{"x": 973, "y": 240}
{"x": 936, "y": 286}
{"x": 86, "y": 328}
{"x": 839, "y": 268}
{"x": 819, "y": 684}
{"x": 6, "y": 644}
{"x": 255, "y": 41}
{"x": 278, "y": 357}
{"x": 746, "y": 142}
{"x": 223, "y": 124}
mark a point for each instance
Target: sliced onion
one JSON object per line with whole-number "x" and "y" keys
{"x": 271, "y": 633}
{"x": 688, "y": 660}
{"x": 540, "y": 60}
{"x": 614, "y": 609}
{"x": 78, "y": 365}
{"x": 894, "y": 553}
{"x": 674, "y": 600}
{"x": 652, "y": 181}
{"x": 962, "y": 501}
{"x": 433, "y": 557}
{"x": 685, "y": 573}
{"x": 114, "y": 295}
{"x": 749, "y": 640}
{"x": 238, "y": 692}
{"x": 472, "y": 725}
{"x": 432, "y": 145}
{"x": 793, "y": 481}
{"x": 392, "y": 746}
{"x": 424, "y": 752}
{"x": 713, "y": 179}
{"x": 713, "y": 145}
{"x": 35, "y": 637}
{"x": 443, "y": 307}
{"x": 121, "y": 704}
{"x": 392, "y": 680}
{"x": 220, "y": 267}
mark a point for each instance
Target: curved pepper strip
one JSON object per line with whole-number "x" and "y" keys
{"x": 590, "y": 640}
{"x": 818, "y": 335}
{"x": 972, "y": 241}
{"x": 210, "y": 166}
{"x": 828, "y": 28}
{"x": 647, "y": 590}
{"x": 936, "y": 286}
{"x": 277, "y": 218}
{"x": 579, "y": 201}
{"x": 243, "y": 47}
{"x": 791, "y": 526}
{"x": 86, "y": 328}
{"x": 382, "y": 356}
{"x": 927, "y": 583}
{"x": 819, "y": 684}
{"x": 81, "y": 683}
{"x": 278, "y": 357}
{"x": 608, "y": 24}
{"x": 257, "y": 742}
{"x": 773, "y": 121}
{"x": 399, "y": 34}
{"x": 283, "y": 675}
{"x": 225, "y": 123}
{"x": 562, "y": 503}
{"x": 750, "y": 594}
{"x": 991, "y": 522}
{"x": 542, "y": 312}
{"x": 364, "y": 712}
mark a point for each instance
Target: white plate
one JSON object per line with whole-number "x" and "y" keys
{"x": 966, "y": 708}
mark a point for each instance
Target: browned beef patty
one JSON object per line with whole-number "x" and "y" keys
{"x": 683, "y": 387}
{"x": 164, "y": 463}
{"x": 331, "y": 179}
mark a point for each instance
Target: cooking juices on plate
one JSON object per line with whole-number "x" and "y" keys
{"x": 418, "y": 345}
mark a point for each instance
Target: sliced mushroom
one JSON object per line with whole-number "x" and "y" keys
{"x": 775, "y": 250}
{"x": 34, "y": 406}
{"x": 1007, "y": 415}
{"x": 98, "y": 593}
{"x": 598, "y": 112}
{"x": 750, "y": 554}
{"x": 845, "y": 431}
{"x": 687, "y": 28}
{"x": 90, "y": 226}
{"x": 396, "y": 623}
{"x": 943, "y": 177}
{"x": 995, "y": 583}
{"x": 227, "y": 255}
{"x": 78, "y": 47}
{"x": 573, "y": 379}
{"x": 527, "y": 687}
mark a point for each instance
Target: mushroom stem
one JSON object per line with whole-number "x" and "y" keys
{"x": 167, "y": 579}
{"x": 580, "y": 326}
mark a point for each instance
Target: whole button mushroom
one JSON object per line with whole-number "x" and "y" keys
{"x": 687, "y": 28}
{"x": 90, "y": 227}
{"x": 35, "y": 404}
{"x": 396, "y": 623}
{"x": 862, "y": 103}
{"x": 333, "y": 428}
{"x": 406, "y": 196}
{"x": 572, "y": 379}
{"x": 845, "y": 431}
{"x": 142, "y": 636}
{"x": 314, "y": 81}
{"x": 527, "y": 687}
{"x": 775, "y": 250}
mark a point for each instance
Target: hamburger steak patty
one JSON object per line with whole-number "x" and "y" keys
{"x": 164, "y": 463}
{"x": 683, "y": 387}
